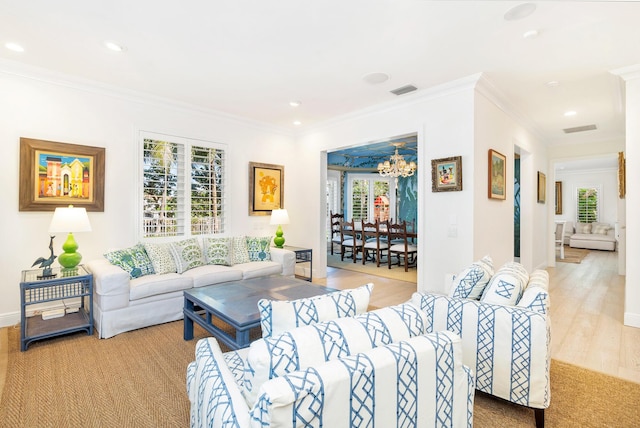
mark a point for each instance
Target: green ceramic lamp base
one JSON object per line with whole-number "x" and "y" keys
{"x": 70, "y": 258}
{"x": 279, "y": 239}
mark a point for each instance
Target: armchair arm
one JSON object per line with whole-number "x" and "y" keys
{"x": 286, "y": 258}
{"x": 109, "y": 280}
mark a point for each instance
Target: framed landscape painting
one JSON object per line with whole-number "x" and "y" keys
{"x": 56, "y": 174}
{"x": 497, "y": 175}
{"x": 266, "y": 188}
{"x": 446, "y": 174}
{"x": 542, "y": 188}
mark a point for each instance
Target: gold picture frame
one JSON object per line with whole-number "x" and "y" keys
{"x": 266, "y": 188}
{"x": 542, "y": 188}
{"x": 446, "y": 174}
{"x": 622, "y": 180}
{"x": 54, "y": 174}
{"x": 558, "y": 197}
{"x": 497, "y": 175}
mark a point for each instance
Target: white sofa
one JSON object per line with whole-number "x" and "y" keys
{"x": 593, "y": 236}
{"x": 122, "y": 303}
{"x": 377, "y": 366}
{"x": 507, "y": 345}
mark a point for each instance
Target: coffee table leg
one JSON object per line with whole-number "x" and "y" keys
{"x": 242, "y": 338}
{"x": 188, "y": 322}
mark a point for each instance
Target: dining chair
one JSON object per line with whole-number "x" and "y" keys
{"x": 401, "y": 247}
{"x": 373, "y": 237}
{"x": 350, "y": 239}
{"x": 335, "y": 228}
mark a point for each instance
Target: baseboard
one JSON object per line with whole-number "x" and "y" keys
{"x": 9, "y": 319}
{"x": 632, "y": 320}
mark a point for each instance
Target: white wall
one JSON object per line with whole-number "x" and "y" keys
{"x": 605, "y": 179}
{"x": 44, "y": 107}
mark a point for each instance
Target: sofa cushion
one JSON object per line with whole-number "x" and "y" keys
{"x": 600, "y": 228}
{"x": 257, "y": 269}
{"x": 153, "y": 285}
{"x": 225, "y": 406}
{"x": 217, "y": 251}
{"x": 133, "y": 260}
{"x": 276, "y": 317}
{"x": 160, "y": 256}
{"x": 507, "y": 285}
{"x": 583, "y": 227}
{"x": 258, "y": 248}
{"x": 309, "y": 345}
{"x": 187, "y": 254}
{"x": 471, "y": 282}
{"x": 212, "y": 274}
{"x": 240, "y": 252}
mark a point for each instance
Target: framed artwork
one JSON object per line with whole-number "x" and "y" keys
{"x": 542, "y": 188}
{"x": 497, "y": 175}
{"x": 55, "y": 174}
{"x": 622, "y": 181}
{"x": 558, "y": 197}
{"x": 446, "y": 174}
{"x": 266, "y": 188}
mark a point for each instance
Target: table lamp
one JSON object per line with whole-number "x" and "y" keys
{"x": 279, "y": 217}
{"x": 70, "y": 220}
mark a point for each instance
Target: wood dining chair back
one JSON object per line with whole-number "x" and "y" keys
{"x": 335, "y": 229}
{"x": 374, "y": 241}
{"x": 401, "y": 247}
{"x": 350, "y": 239}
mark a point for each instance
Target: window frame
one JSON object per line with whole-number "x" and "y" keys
{"x": 184, "y": 186}
{"x": 598, "y": 189}
{"x": 372, "y": 178}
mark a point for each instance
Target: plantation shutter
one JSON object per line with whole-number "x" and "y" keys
{"x": 587, "y": 204}
{"x": 207, "y": 190}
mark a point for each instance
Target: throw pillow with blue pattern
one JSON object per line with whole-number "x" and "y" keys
{"x": 259, "y": 248}
{"x": 536, "y": 295}
{"x": 276, "y": 317}
{"x": 134, "y": 260}
{"x": 187, "y": 254}
{"x": 471, "y": 282}
{"x": 507, "y": 285}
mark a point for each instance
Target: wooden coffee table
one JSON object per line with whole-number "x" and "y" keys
{"x": 236, "y": 305}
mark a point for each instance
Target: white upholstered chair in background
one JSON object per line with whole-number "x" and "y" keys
{"x": 560, "y": 226}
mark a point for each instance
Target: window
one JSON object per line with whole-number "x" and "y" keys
{"x": 183, "y": 187}
{"x": 588, "y": 199}
{"x": 369, "y": 197}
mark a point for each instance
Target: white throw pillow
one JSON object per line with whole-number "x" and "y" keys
{"x": 471, "y": 282}
{"x": 507, "y": 285}
{"x": 276, "y": 317}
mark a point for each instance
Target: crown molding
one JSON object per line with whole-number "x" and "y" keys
{"x": 628, "y": 73}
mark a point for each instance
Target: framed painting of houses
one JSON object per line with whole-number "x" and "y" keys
{"x": 266, "y": 188}
{"x": 446, "y": 174}
{"x": 497, "y": 175}
{"x": 56, "y": 174}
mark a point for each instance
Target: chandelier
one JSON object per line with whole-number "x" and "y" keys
{"x": 398, "y": 167}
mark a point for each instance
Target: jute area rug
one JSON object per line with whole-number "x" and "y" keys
{"x": 396, "y": 272}
{"x": 137, "y": 379}
{"x": 572, "y": 255}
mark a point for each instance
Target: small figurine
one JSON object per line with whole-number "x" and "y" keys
{"x": 45, "y": 264}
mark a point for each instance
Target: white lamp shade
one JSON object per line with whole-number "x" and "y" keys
{"x": 279, "y": 217}
{"x": 70, "y": 219}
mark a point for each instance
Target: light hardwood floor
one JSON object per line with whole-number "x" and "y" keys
{"x": 587, "y": 304}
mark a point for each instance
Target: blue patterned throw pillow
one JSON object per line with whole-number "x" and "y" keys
{"x": 258, "y": 248}
{"x": 471, "y": 282}
{"x": 134, "y": 260}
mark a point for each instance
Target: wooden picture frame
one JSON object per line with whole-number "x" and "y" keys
{"x": 622, "y": 180}
{"x": 542, "y": 188}
{"x": 54, "y": 174}
{"x": 558, "y": 197}
{"x": 497, "y": 181}
{"x": 266, "y": 188}
{"x": 446, "y": 174}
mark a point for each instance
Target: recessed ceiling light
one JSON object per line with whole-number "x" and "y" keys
{"x": 113, "y": 46}
{"x": 520, "y": 12}
{"x": 553, "y": 84}
{"x": 297, "y": 122}
{"x": 570, "y": 113}
{"x": 294, "y": 103}
{"x": 531, "y": 34}
{"x": 375, "y": 78}
{"x": 14, "y": 47}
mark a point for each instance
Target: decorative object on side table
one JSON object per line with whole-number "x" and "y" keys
{"x": 279, "y": 217}
{"x": 497, "y": 175}
{"x": 70, "y": 219}
{"x": 45, "y": 264}
{"x": 446, "y": 174}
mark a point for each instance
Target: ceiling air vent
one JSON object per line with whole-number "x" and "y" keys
{"x": 404, "y": 90}
{"x": 579, "y": 129}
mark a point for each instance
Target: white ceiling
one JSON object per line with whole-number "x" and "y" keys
{"x": 249, "y": 58}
